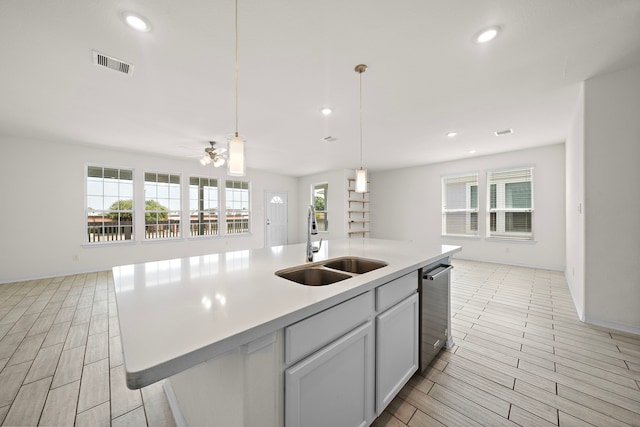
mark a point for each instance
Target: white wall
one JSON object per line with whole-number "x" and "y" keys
{"x": 336, "y": 203}
{"x": 612, "y": 200}
{"x": 42, "y": 216}
{"x": 406, "y": 205}
{"x": 574, "y": 272}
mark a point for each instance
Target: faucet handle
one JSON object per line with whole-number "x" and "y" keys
{"x": 316, "y": 249}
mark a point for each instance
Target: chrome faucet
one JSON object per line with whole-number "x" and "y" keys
{"x": 312, "y": 228}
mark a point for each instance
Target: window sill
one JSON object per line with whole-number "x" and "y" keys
{"x": 165, "y": 240}
{"x": 511, "y": 240}
{"x": 207, "y": 237}
{"x": 248, "y": 233}
{"x": 109, "y": 244}
{"x": 460, "y": 236}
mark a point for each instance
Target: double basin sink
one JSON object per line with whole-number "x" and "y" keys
{"x": 329, "y": 271}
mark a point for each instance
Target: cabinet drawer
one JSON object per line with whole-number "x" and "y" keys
{"x": 396, "y": 290}
{"x": 308, "y": 335}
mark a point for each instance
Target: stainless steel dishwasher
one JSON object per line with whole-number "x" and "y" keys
{"x": 434, "y": 281}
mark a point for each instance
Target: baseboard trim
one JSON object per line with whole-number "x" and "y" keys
{"x": 612, "y": 325}
{"x": 53, "y": 275}
{"x": 173, "y": 405}
{"x": 515, "y": 264}
{"x": 579, "y": 309}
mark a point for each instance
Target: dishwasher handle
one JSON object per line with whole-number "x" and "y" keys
{"x": 436, "y": 271}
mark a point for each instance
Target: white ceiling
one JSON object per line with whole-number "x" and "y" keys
{"x": 426, "y": 76}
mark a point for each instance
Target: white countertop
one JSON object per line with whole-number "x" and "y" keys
{"x": 177, "y": 313}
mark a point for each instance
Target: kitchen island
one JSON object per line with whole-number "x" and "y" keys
{"x": 215, "y": 324}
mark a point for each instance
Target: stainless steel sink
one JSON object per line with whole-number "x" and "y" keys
{"x": 330, "y": 271}
{"x": 354, "y": 265}
{"x": 312, "y": 276}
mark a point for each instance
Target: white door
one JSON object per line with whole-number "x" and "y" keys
{"x": 275, "y": 218}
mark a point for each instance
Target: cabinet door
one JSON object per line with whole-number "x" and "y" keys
{"x": 334, "y": 386}
{"x": 396, "y": 349}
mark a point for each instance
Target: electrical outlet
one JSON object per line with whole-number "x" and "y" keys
{"x": 75, "y": 257}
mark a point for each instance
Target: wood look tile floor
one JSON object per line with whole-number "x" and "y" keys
{"x": 61, "y": 358}
{"x": 521, "y": 357}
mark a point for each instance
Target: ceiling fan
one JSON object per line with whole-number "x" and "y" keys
{"x": 213, "y": 155}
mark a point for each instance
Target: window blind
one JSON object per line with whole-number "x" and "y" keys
{"x": 510, "y": 204}
{"x": 460, "y": 205}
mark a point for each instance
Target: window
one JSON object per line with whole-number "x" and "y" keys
{"x": 203, "y": 206}
{"x": 460, "y": 205}
{"x": 237, "y": 212}
{"x": 510, "y": 204}
{"x": 161, "y": 205}
{"x": 319, "y": 194}
{"x": 109, "y": 204}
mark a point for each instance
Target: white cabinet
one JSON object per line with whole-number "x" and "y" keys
{"x": 333, "y": 384}
{"x": 396, "y": 349}
{"x": 342, "y": 367}
{"x": 397, "y": 353}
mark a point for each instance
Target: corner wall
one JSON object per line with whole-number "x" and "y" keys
{"x": 575, "y": 209}
{"x": 336, "y": 203}
{"x": 406, "y": 204}
{"x": 42, "y": 223}
{"x": 612, "y": 200}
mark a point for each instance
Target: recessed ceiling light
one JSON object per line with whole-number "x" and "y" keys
{"x": 451, "y": 134}
{"x": 137, "y": 22}
{"x": 487, "y": 34}
{"x": 326, "y": 111}
{"x": 472, "y": 151}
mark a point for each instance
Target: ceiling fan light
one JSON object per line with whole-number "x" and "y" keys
{"x": 205, "y": 160}
{"x": 361, "y": 180}
{"x": 218, "y": 161}
{"x": 236, "y": 157}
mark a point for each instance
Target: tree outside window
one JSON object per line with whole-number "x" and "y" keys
{"x": 319, "y": 195}
{"x": 162, "y": 205}
{"x": 109, "y": 201}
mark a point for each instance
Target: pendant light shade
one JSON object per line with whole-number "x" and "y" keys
{"x": 236, "y": 157}
{"x": 236, "y": 165}
{"x": 361, "y": 180}
{"x": 361, "y": 173}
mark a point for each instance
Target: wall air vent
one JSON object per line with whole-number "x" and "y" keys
{"x": 329, "y": 139}
{"x": 103, "y": 60}
{"x": 503, "y": 132}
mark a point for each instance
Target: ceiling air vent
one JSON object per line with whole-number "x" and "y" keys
{"x": 503, "y": 132}
{"x": 113, "y": 63}
{"x": 329, "y": 139}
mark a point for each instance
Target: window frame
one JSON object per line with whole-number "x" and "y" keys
{"x": 175, "y": 234}
{"x": 469, "y": 210}
{"x": 87, "y": 240}
{"x": 500, "y": 211}
{"x": 322, "y": 216}
{"x": 201, "y": 211}
{"x": 227, "y": 210}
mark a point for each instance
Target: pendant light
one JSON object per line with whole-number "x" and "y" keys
{"x": 236, "y": 164}
{"x": 361, "y": 173}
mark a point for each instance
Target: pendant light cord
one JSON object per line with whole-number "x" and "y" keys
{"x": 360, "y": 119}
{"x": 236, "y": 74}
